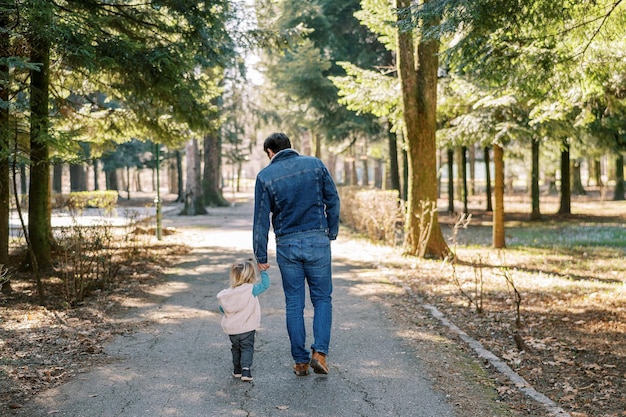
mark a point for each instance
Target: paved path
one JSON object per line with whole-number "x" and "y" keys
{"x": 180, "y": 364}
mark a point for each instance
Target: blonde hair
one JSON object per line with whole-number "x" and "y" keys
{"x": 243, "y": 272}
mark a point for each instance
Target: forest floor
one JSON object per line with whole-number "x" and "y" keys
{"x": 564, "y": 333}
{"x": 569, "y": 338}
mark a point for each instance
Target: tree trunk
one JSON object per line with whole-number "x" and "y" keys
{"x": 498, "y": 213}
{"x": 619, "y": 177}
{"x": 128, "y": 183}
{"x": 464, "y": 177}
{"x": 111, "y": 180}
{"x": 96, "y": 165}
{"x": 394, "y": 169}
{"x": 137, "y": 176}
{"x": 57, "y": 178}
{"x": 378, "y": 173}
{"x": 535, "y": 213}
{"x": 405, "y": 174}
{"x": 172, "y": 177}
{"x": 597, "y": 172}
{"x": 179, "y": 177}
{"x": 366, "y": 175}
{"x": 212, "y": 165}
{"x": 419, "y": 93}
{"x": 458, "y": 154}
{"x": 39, "y": 222}
{"x": 488, "y": 179}
{"x": 450, "y": 153}
{"x": 194, "y": 200}
{"x": 24, "y": 185}
{"x": 317, "y": 143}
{"x": 472, "y": 169}
{"x": 577, "y": 181}
{"x": 78, "y": 179}
{"x": 566, "y": 192}
{"x": 5, "y": 150}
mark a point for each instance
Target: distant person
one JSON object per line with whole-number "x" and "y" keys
{"x": 300, "y": 195}
{"x": 242, "y": 313}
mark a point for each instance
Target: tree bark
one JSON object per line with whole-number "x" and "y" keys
{"x": 566, "y": 191}
{"x": 96, "y": 165}
{"x": 450, "y": 154}
{"x": 464, "y": 177}
{"x": 111, "y": 180}
{"x": 577, "y": 182}
{"x": 194, "y": 200}
{"x": 488, "y": 179}
{"x": 394, "y": 168}
{"x": 57, "y": 178}
{"x": 419, "y": 94}
{"x": 405, "y": 174}
{"x": 535, "y": 213}
{"x": 179, "y": 177}
{"x": 498, "y": 191}
{"x": 212, "y": 165}
{"x": 597, "y": 172}
{"x": 5, "y": 151}
{"x": 366, "y": 175}
{"x": 78, "y": 178}
{"x": 618, "y": 195}
{"x": 39, "y": 222}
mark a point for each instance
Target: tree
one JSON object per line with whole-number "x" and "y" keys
{"x": 39, "y": 219}
{"x": 498, "y": 238}
{"x": 212, "y": 191}
{"x": 5, "y": 147}
{"x": 194, "y": 200}
{"x": 418, "y": 77}
{"x": 300, "y": 68}
{"x": 168, "y": 45}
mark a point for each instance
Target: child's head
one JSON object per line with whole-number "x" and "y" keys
{"x": 243, "y": 272}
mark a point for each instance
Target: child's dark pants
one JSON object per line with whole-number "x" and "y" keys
{"x": 242, "y": 349}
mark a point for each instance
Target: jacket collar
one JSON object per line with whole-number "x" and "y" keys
{"x": 284, "y": 154}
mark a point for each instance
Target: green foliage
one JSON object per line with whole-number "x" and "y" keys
{"x": 379, "y": 17}
{"x": 128, "y": 69}
{"x": 300, "y": 70}
{"x": 78, "y": 201}
{"x": 131, "y": 154}
{"x": 382, "y": 92}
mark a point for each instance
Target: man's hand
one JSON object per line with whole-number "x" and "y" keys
{"x": 264, "y": 267}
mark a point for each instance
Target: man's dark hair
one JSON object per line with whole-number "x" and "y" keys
{"x": 276, "y": 142}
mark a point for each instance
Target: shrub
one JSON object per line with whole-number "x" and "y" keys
{"x": 379, "y": 214}
{"x": 78, "y": 201}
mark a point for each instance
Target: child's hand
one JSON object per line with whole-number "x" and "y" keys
{"x": 264, "y": 267}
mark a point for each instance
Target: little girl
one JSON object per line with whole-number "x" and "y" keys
{"x": 242, "y": 313}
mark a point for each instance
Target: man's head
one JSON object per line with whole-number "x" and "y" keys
{"x": 276, "y": 142}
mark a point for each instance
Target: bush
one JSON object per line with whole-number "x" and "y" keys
{"x": 78, "y": 201}
{"x": 379, "y": 214}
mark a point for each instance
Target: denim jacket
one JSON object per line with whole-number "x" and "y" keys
{"x": 301, "y": 196}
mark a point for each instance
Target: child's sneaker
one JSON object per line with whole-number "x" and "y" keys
{"x": 246, "y": 375}
{"x": 237, "y": 372}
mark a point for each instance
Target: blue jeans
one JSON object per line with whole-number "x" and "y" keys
{"x": 305, "y": 257}
{"x": 242, "y": 350}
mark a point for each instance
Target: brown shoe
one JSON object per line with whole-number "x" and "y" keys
{"x": 318, "y": 363}
{"x": 301, "y": 369}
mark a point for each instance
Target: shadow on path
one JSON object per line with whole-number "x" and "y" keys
{"x": 180, "y": 364}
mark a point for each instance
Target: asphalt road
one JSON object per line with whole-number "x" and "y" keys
{"x": 180, "y": 363}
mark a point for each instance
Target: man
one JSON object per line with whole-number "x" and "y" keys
{"x": 302, "y": 199}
